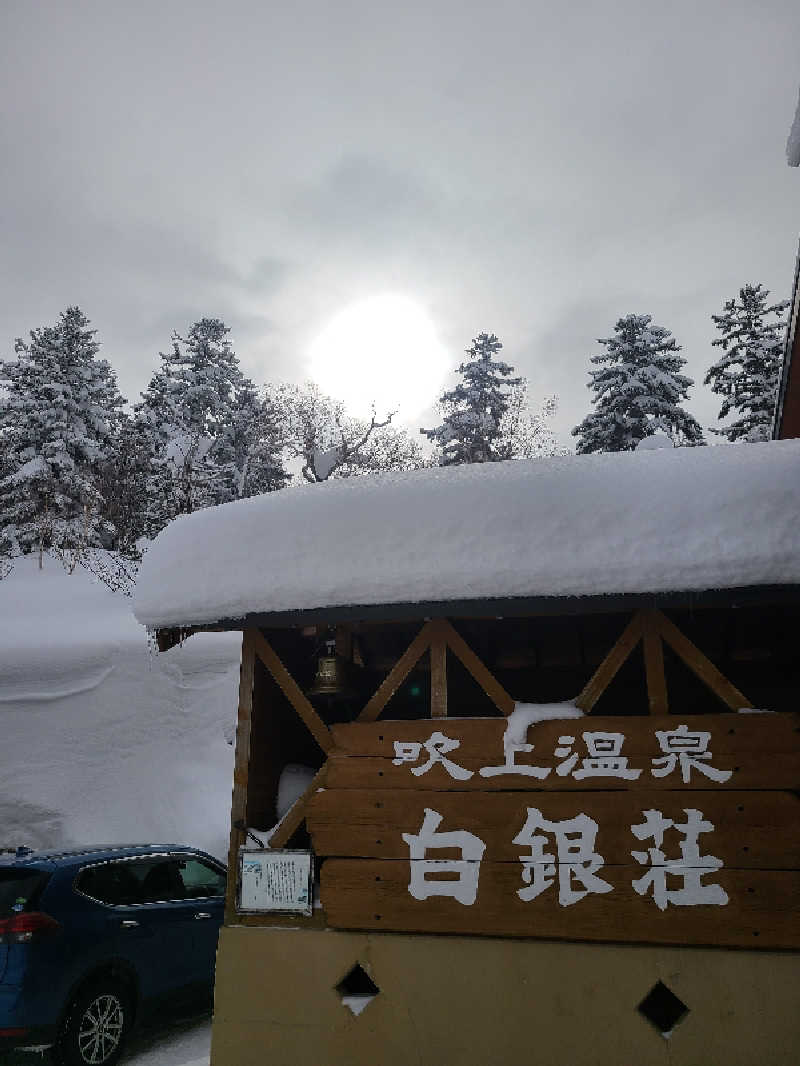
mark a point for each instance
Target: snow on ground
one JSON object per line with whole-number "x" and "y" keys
{"x": 667, "y": 520}
{"x": 182, "y": 1044}
{"x": 103, "y": 741}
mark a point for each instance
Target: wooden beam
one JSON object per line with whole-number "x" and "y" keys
{"x": 606, "y": 671}
{"x": 753, "y": 830}
{"x": 372, "y": 894}
{"x": 297, "y": 812}
{"x": 397, "y": 675}
{"x": 241, "y": 766}
{"x": 438, "y": 652}
{"x": 488, "y": 682}
{"x": 292, "y": 692}
{"x": 700, "y": 664}
{"x": 654, "y": 664}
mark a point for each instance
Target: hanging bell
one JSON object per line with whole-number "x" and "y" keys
{"x": 330, "y": 680}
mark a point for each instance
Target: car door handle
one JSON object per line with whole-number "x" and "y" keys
{"x": 129, "y": 923}
{"x": 201, "y": 914}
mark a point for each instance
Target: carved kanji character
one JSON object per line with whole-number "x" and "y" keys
{"x": 574, "y": 857}
{"x": 464, "y": 887}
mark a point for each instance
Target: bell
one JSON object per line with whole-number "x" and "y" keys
{"x": 330, "y": 679}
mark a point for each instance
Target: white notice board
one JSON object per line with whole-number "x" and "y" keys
{"x": 275, "y": 880}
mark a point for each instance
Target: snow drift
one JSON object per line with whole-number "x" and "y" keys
{"x": 103, "y": 741}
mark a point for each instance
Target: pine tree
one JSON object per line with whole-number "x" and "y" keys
{"x": 124, "y": 481}
{"x": 638, "y": 390}
{"x": 249, "y": 450}
{"x": 212, "y": 437}
{"x": 747, "y": 373}
{"x": 58, "y": 418}
{"x": 473, "y": 411}
{"x": 185, "y": 408}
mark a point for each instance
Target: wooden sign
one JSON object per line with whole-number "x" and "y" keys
{"x": 730, "y": 751}
{"x": 666, "y": 830}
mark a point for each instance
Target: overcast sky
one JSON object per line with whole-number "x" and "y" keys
{"x": 532, "y": 169}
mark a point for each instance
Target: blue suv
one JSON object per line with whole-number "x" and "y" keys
{"x": 90, "y": 938}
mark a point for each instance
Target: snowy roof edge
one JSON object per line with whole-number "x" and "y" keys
{"x": 510, "y": 607}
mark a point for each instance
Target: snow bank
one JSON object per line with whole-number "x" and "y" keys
{"x": 45, "y": 655}
{"x": 102, "y": 740}
{"x": 665, "y": 520}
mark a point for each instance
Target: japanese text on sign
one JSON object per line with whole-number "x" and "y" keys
{"x": 565, "y": 853}
{"x": 683, "y": 752}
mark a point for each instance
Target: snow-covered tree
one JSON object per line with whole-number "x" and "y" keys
{"x": 329, "y": 443}
{"x": 211, "y": 436}
{"x": 58, "y": 416}
{"x": 525, "y": 433}
{"x": 472, "y": 412}
{"x": 124, "y": 481}
{"x": 638, "y": 390}
{"x": 249, "y": 450}
{"x": 747, "y": 373}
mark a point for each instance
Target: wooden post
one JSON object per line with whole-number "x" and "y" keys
{"x": 654, "y": 664}
{"x": 438, "y": 652}
{"x": 240, "y": 768}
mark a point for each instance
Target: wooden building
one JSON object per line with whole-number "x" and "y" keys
{"x": 787, "y": 413}
{"x": 548, "y": 715}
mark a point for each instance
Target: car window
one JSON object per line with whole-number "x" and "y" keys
{"x": 159, "y": 879}
{"x": 20, "y": 890}
{"x": 151, "y": 879}
{"x": 201, "y": 879}
{"x": 110, "y": 882}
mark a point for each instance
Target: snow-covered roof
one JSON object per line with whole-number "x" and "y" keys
{"x": 583, "y": 525}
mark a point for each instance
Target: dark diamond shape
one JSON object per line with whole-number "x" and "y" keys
{"x": 357, "y": 989}
{"x": 662, "y": 1008}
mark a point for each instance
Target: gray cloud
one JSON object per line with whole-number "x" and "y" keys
{"x": 524, "y": 167}
{"x": 367, "y": 203}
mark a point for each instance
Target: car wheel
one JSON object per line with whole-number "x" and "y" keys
{"x": 95, "y": 1027}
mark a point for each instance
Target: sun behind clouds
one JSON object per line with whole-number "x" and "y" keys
{"x": 383, "y": 351}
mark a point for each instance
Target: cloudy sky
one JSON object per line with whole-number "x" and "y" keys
{"x": 532, "y": 169}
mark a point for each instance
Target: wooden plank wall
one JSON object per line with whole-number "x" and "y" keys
{"x": 371, "y": 799}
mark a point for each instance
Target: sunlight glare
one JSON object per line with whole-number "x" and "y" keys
{"x": 382, "y": 351}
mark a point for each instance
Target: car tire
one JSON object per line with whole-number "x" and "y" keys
{"x": 95, "y": 1026}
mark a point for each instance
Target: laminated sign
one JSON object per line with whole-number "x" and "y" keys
{"x": 679, "y": 830}
{"x": 275, "y": 881}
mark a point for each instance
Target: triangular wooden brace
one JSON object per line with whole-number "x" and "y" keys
{"x": 699, "y": 664}
{"x": 399, "y": 672}
{"x": 488, "y": 682}
{"x": 607, "y": 670}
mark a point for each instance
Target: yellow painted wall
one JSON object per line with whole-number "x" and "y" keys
{"x": 457, "y": 1001}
